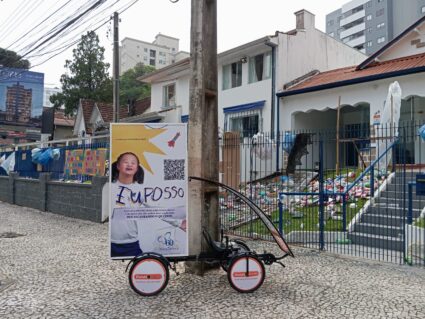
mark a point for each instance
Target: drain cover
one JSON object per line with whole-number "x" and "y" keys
{"x": 10, "y": 235}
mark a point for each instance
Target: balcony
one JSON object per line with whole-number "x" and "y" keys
{"x": 356, "y": 16}
{"x": 356, "y": 41}
{"x": 352, "y": 30}
{"x": 352, "y": 4}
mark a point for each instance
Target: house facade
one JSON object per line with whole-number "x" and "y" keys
{"x": 360, "y": 92}
{"x": 249, "y": 76}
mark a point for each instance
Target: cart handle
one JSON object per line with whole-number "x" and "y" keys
{"x": 280, "y": 241}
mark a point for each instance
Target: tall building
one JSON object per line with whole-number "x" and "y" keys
{"x": 18, "y": 104}
{"x": 161, "y": 52}
{"x": 368, "y": 25}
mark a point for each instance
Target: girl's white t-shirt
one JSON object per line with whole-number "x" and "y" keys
{"x": 123, "y": 231}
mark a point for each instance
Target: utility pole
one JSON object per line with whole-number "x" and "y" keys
{"x": 116, "y": 93}
{"x": 203, "y": 127}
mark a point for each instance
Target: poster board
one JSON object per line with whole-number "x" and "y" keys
{"x": 74, "y": 162}
{"x": 94, "y": 161}
{"x": 86, "y": 162}
{"x": 148, "y": 189}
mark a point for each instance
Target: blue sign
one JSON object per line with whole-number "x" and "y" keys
{"x": 420, "y": 184}
{"x": 21, "y": 97}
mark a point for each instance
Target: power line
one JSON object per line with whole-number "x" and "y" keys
{"x": 44, "y": 20}
{"x": 73, "y": 43}
{"x": 66, "y": 26}
{"x": 18, "y": 18}
{"x": 69, "y": 26}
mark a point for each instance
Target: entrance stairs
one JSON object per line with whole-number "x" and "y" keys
{"x": 381, "y": 226}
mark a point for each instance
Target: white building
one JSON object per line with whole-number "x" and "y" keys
{"x": 48, "y": 92}
{"x": 312, "y": 104}
{"x": 161, "y": 52}
{"x": 250, "y": 75}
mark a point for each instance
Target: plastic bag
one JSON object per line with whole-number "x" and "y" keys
{"x": 9, "y": 163}
{"x": 421, "y": 132}
{"x": 35, "y": 154}
{"x": 45, "y": 157}
{"x": 288, "y": 142}
{"x": 56, "y": 154}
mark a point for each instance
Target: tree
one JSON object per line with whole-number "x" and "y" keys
{"x": 130, "y": 87}
{"x": 87, "y": 75}
{"x": 11, "y": 59}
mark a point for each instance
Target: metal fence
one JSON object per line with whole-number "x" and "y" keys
{"x": 76, "y": 159}
{"x": 345, "y": 192}
{"x": 355, "y": 203}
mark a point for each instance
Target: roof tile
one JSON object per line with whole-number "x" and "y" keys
{"x": 350, "y": 73}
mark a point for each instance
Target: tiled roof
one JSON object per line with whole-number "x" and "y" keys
{"x": 87, "y": 106}
{"x": 348, "y": 75}
{"x": 106, "y": 110}
{"x": 62, "y": 120}
{"x": 140, "y": 106}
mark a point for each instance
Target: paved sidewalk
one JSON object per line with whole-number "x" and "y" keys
{"x": 59, "y": 268}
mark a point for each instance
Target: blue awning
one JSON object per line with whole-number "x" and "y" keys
{"x": 185, "y": 118}
{"x": 244, "y": 107}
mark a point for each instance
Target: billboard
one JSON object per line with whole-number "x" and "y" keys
{"x": 21, "y": 97}
{"x": 148, "y": 189}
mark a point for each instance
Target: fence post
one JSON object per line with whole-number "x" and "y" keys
{"x": 393, "y": 159}
{"x": 280, "y": 216}
{"x": 97, "y": 190}
{"x": 321, "y": 199}
{"x": 12, "y": 180}
{"x": 372, "y": 182}
{"x": 410, "y": 209}
{"x": 43, "y": 179}
{"x": 344, "y": 213}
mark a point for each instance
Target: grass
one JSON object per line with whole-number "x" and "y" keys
{"x": 309, "y": 221}
{"x": 420, "y": 223}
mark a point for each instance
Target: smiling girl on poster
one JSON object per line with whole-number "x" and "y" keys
{"x": 126, "y": 174}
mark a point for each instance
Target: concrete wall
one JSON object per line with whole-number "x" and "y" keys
{"x": 83, "y": 201}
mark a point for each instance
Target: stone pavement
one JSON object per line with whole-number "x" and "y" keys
{"x": 59, "y": 268}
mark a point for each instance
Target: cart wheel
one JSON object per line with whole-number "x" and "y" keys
{"x": 246, "y": 273}
{"x": 243, "y": 248}
{"x": 148, "y": 276}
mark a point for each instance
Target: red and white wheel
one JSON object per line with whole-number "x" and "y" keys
{"x": 246, "y": 273}
{"x": 148, "y": 276}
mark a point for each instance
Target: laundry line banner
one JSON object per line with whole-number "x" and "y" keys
{"x": 148, "y": 193}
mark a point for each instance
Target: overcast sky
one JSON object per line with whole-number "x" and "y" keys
{"x": 238, "y": 22}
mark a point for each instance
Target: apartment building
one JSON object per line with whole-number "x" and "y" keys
{"x": 368, "y": 25}
{"x": 163, "y": 51}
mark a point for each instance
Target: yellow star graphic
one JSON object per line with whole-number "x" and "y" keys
{"x": 135, "y": 139}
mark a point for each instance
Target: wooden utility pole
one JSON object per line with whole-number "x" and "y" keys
{"x": 203, "y": 127}
{"x": 116, "y": 67}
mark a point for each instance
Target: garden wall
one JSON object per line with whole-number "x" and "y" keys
{"x": 83, "y": 201}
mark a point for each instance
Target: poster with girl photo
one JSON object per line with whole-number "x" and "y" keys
{"x": 148, "y": 193}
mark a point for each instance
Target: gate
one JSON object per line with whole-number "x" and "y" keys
{"x": 318, "y": 201}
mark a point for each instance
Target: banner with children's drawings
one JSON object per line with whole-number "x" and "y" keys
{"x": 148, "y": 189}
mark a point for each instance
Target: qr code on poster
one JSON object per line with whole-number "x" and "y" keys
{"x": 174, "y": 170}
